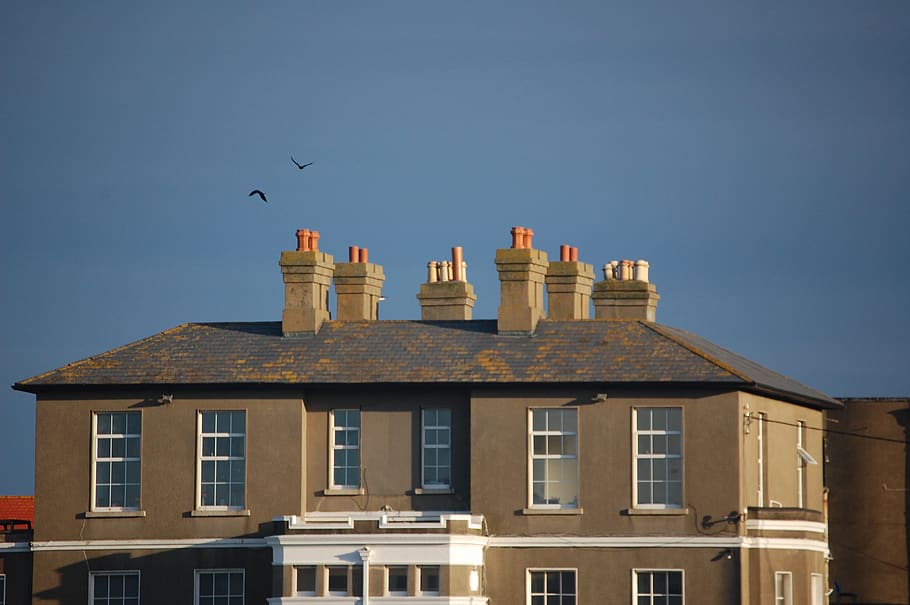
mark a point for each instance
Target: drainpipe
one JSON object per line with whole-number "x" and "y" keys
{"x": 365, "y": 554}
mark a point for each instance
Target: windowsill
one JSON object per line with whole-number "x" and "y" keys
{"x": 433, "y": 491}
{"x": 552, "y": 511}
{"x": 657, "y": 511}
{"x": 113, "y": 514}
{"x": 233, "y": 512}
{"x": 344, "y": 491}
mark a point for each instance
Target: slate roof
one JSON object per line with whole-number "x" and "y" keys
{"x": 407, "y": 352}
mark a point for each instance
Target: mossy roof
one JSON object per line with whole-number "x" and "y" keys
{"x": 421, "y": 352}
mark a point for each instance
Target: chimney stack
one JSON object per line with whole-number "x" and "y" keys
{"x": 569, "y": 286}
{"x": 447, "y": 294}
{"x": 307, "y": 275}
{"x": 625, "y": 292}
{"x": 522, "y": 271}
{"x": 358, "y": 286}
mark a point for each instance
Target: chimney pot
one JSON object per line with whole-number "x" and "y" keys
{"x": 303, "y": 240}
{"x": 625, "y": 270}
{"x": 564, "y": 252}
{"x": 573, "y": 254}
{"x": 364, "y": 256}
{"x": 517, "y": 237}
{"x": 528, "y": 234}
{"x": 432, "y": 275}
{"x": 353, "y": 254}
{"x": 314, "y": 241}
{"x": 641, "y": 270}
{"x": 457, "y": 262}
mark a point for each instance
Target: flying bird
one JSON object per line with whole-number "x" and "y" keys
{"x": 260, "y": 194}
{"x": 301, "y": 166}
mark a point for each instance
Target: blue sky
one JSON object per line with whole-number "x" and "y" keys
{"x": 756, "y": 154}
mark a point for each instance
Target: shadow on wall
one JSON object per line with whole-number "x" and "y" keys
{"x": 164, "y": 574}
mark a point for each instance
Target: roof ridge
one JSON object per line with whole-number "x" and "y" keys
{"x": 696, "y": 351}
{"x": 107, "y": 353}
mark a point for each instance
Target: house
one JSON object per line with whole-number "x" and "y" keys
{"x": 17, "y": 515}
{"x": 540, "y": 457}
{"x": 866, "y": 444}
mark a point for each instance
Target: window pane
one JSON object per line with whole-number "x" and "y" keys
{"x": 675, "y": 582}
{"x": 134, "y": 424}
{"x": 398, "y": 579}
{"x": 238, "y": 422}
{"x": 132, "y": 447}
{"x": 306, "y": 579}
{"x": 429, "y": 578}
{"x": 222, "y": 422}
{"x": 208, "y": 422}
{"x": 338, "y": 579}
{"x": 537, "y": 581}
{"x": 644, "y": 444}
{"x": 643, "y": 416}
{"x": 674, "y": 419}
{"x": 101, "y": 585}
{"x": 118, "y": 424}
{"x": 539, "y": 420}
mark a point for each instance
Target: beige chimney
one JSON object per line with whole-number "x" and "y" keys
{"x": 623, "y": 295}
{"x": 307, "y": 275}
{"x": 522, "y": 271}
{"x": 569, "y": 286}
{"x": 445, "y": 298}
{"x": 358, "y": 286}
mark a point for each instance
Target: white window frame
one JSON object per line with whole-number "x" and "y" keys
{"x": 198, "y": 572}
{"x": 418, "y": 581}
{"x": 306, "y": 593}
{"x": 665, "y": 456}
{"x": 91, "y": 585}
{"x": 532, "y": 570}
{"x": 651, "y": 571}
{"x": 126, "y": 459}
{"x": 333, "y": 447}
{"x": 388, "y": 584}
{"x": 546, "y": 457}
{"x": 439, "y": 429}
{"x": 201, "y": 457}
{"x": 783, "y": 588}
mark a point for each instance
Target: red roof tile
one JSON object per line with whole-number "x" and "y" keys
{"x": 21, "y": 508}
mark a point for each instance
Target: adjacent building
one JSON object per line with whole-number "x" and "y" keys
{"x": 869, "y": 496}
{"x": 550, "y": 455}
{"x": 17, "y": 515}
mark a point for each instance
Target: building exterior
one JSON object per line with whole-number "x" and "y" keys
{"x": 17, "y": 515}
{"x": 541, "y": 457}
{"x": 867, "y": 475}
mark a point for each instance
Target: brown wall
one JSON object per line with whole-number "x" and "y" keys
{"x": 166, "y": 576}
{"x": 605, "y": 575}
{"x": 63, "y": 460}
{"x": 869, "y": 498}
{"x": 499, "y": 425}
{"x": 780, "y": 433}
{"x": 390, "y": 449}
